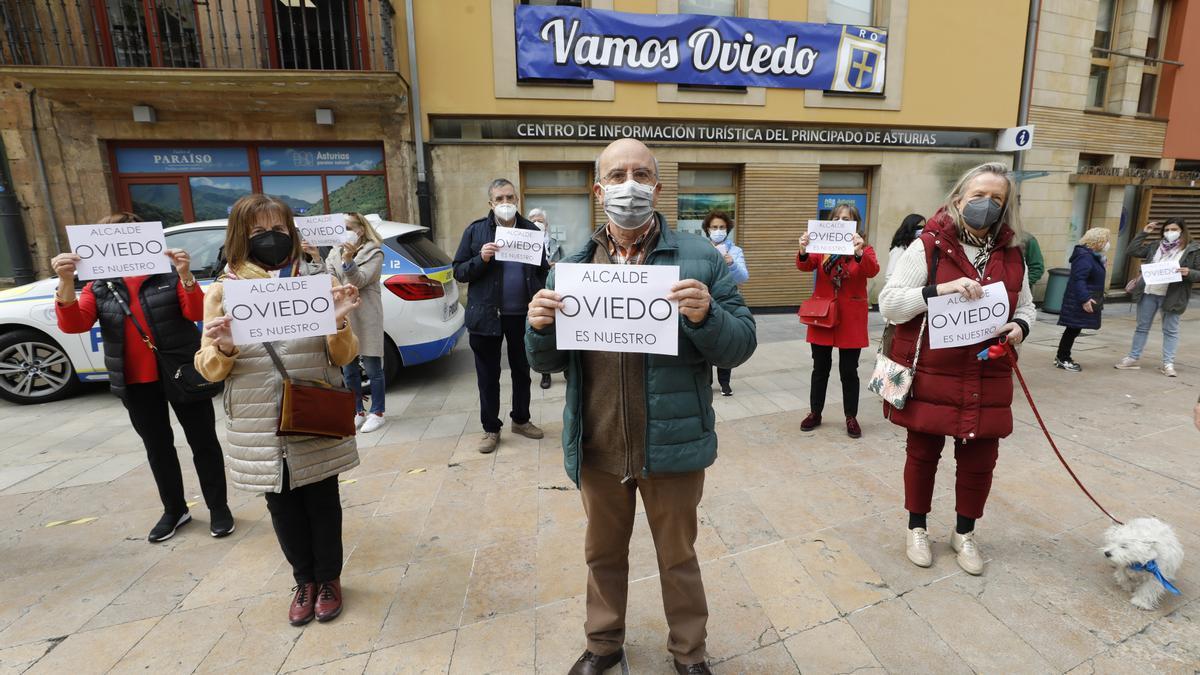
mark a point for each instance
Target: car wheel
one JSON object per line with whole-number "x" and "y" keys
{"x": 391, "y": 360}
{"x": 34, "y": 369}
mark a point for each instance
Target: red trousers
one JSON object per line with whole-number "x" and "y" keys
{"x": 975, "y": 459}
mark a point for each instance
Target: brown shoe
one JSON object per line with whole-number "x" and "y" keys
{"x": 692, "y": 668}
{"x": 528, "y": 430}
{"x": 811, "y": 422}
{"x": 593, "y": 664}
{"x": 329, "y": 600}
{"x": 852, "y": 428}
{"x": 488, "y": 443}
{"x": 302, "y": 610}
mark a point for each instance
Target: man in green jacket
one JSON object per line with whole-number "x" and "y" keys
{"x": 1035, "y": 263}
{"x": 643, "y": 422}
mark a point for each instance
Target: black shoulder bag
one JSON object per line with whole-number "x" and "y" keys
{"x": 183, "y": 384}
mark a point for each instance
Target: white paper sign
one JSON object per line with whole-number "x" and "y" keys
{"x": 522, "y": 246}
{"x": 327, "y": 230}
{"x": 617, "y": 308}
{"x": 1161, "y": 273}
{"x": 1015, "y": 139}
{"x": 268, "y": 310}
{"x": 954, "y": 322}
{"x": 832, "y": 237}
{"x": 119, "y": 250}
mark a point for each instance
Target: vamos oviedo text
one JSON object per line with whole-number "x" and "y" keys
{"x": 574, "y": 43}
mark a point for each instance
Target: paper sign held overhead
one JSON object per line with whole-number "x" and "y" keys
{"x": 617, "y": 308}
{"x": 955, "y": 322}
{"x": 1015, "y": 139}
{"x": 268, "y": 310}
{"x": 831, "y": 237}
{"x": 326, "y": 230}
{"x": 1161, "y": 273}
{"x": 522, "y": 246}
{"x": 119, "y": 250}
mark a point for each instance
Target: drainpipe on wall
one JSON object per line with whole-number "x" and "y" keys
{"x": 14, "y": 229}
{"x": 424, "y": 204}
{"x": 41, "y": 164}
{"x": 1031, "y": 39}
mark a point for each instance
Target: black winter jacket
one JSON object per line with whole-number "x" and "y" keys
{"x": 484, "y": 278}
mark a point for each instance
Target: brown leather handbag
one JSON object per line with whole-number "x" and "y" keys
{"x": 312, "y": 407}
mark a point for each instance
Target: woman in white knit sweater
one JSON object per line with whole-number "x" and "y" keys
{"x": 970, "y": 243}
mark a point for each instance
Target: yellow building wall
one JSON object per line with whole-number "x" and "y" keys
{"x": 962, "y": 68}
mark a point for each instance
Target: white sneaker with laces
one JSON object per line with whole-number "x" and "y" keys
{"x": 1127, "y": 363}
{"x": 374, "y": 421}
{"x": 359, "y": 420}
{"x": 918, "y": 547}
{"x": 969, "y": 557}
{"x": 1168, "y": 369}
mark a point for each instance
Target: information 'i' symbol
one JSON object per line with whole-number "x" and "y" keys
{"x": 1022, "y": 137}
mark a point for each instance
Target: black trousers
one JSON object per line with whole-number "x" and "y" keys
{"x": 847, "y": 368}
{"x": 308, "y": 524}
{"x": 723, "y": 375}
{"x": 147, "y": 405}
{"x": 1067, "y": 342}
{"x": 487, "y": 372}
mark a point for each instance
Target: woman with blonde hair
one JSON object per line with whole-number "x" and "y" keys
{"x": 1085, "y": 294}
{"x": 359, "y": 263}
{"x": 297, "y": 474}
{"x": 971, "y": 242}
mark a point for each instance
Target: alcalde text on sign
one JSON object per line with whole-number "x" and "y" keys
{"x": 954, "y": 322}
{"x": 325, "y": 230}
{"x": 617, "y": 308}
{"x": 834, "y": 237}
{"x": 288, "y": 308}
{"x": 518, "y": 245}
{"x": 119, "y": 250}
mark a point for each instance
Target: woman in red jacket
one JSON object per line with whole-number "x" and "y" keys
{"x": 842, "y": 279}
{"x": 167, "y": 307}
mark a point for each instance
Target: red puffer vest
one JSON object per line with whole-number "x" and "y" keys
{"x": 954, "y": 393}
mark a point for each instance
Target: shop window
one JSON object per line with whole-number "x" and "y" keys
{"x": 213, "y": 197}
{"x": 304, "y": 194}
{"x": 564, "y": 192}
{"x": 702, "y": 190}
{"x": 842, "y": 186}
{"x": 1082, "y": 209}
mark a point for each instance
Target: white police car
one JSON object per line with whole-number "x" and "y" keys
{"x": 422, "y": 317}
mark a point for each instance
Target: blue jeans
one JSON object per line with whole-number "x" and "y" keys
{"x": 374, "y": 367}
{"x": 1147, "y": 307}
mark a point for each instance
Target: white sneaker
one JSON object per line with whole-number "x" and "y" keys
{"x": 374, "y": 421}
{"x": 969, "y": 557}
{"x": 918, "y": 547}
{"x": 1168, "y": 369}
{"x": 1127, "y": 363}
{"x": 359, "y": 420}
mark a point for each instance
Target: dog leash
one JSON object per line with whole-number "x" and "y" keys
{"x": 1004, "y": 348}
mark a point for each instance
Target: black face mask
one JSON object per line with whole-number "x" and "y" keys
{"x": 271, "y": 248}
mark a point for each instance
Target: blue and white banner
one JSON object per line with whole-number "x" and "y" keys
{"x": 569, "y": 43}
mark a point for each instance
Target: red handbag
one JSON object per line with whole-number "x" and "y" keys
{"x": 818, "y": 312}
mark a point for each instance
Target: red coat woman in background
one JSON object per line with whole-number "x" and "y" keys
{"x": 842, "y": 279}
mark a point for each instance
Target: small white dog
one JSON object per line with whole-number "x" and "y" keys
{"x": 1146, "y": 554}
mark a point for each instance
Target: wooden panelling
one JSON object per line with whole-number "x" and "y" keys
{"x": 1097, "y": 134}
{"x": 774, "y": 206}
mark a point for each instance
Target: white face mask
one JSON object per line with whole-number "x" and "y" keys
{"x": 540, "y": 225}
{"x": 630, "y": 204}
{"x": 1107, "y": 245}
{"x": 505, "y": 212}
{"x": 1171, "y": 236}
{"x": 717, "y": 236}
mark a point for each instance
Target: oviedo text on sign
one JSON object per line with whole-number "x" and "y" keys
{"x": 119, "y": 250}
{"x": 617, "y": 308}
{"x": 267, "y": 310}
{"x": 325, "y": 230}
{"x": 834, "y": 237}
{"x": 955, "y": 322}
{"x": 521, "y": 246}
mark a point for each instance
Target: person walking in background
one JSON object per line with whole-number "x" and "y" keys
{"x": 972, "y": 239}
{"x": 1035, "y": 263}
{"x": 297, "y": 474}
{"x": 360, "y": 263}
{"x": 843, "y": 281}
{"x": 635, "y": 423}
{"x": 718, "y": 227}
{"x": 910, "y": 228}
{"x": 497, "y": 299}
{"x": 1084, "y": 299}
{"x": 554, "y": 253}
{"x": 164, "y": 307}
{"x": 1171, "y": 300}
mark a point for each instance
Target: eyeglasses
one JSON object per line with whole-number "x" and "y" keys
{"x": 643, "y": 176}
